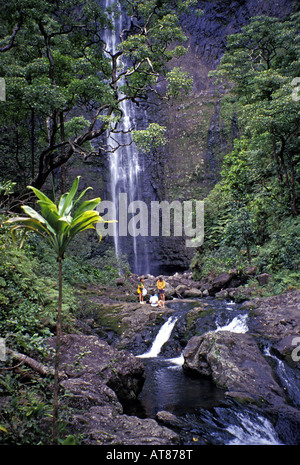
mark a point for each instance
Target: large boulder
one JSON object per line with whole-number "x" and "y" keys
{"x": 105, "y": 426}
{"x": 221, "y": 281}
{"x": 83, "y": 355}
{"x": 278, "y": 319}
{"x": 234, "y": 362}
{"x": 100, "y": 380}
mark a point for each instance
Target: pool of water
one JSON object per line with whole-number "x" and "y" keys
{"x": 206, "y": 415}
{"x": 168, "y": 387}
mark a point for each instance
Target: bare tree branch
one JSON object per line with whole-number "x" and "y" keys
{"x": 34, "y": 364}
{"x": 13, "y": 36}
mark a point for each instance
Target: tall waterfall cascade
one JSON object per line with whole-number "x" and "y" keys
{"x": 125, "y": 167}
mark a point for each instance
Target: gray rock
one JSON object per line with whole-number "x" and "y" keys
{"x": 100, "y": 377}
{"x": 263, "y": 278}
{"x": 276, "y": 317}
{"x": 234, "y": 362}
{"x": 222, "y": 280}
{"x": 190, "y": 293}
{"x": 105, "y": 426}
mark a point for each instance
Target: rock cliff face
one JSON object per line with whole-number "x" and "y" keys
{"x": 198, "y": 134}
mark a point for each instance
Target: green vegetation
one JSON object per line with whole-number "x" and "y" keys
{"x": 29, "y": 296}
{"x": 58, "y": 224}
{"x": 63, "y": 82}
{"x": 55, "y": 72}
{"x": 251, "y": 216}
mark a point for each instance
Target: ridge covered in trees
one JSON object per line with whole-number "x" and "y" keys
{"x": 252, "y": 214}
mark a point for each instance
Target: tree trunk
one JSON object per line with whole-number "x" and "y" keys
{"x": 63, "y": 149}
{"x": 293, "y": 189}
{"x": 57, "y": 356}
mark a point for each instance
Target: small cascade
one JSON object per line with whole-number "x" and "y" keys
{"x": 252, "y": 429}
{"x": 161, "y": 338}
{"x": 178, "y": 361}
{"x": 237, "y": 325}
{"x": 288, "y": 377}
{"x": 233, "y": 425}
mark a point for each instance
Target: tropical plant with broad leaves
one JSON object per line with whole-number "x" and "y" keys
{"x": 58, "y": 225}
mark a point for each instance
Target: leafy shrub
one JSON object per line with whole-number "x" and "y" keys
{"x": 217, "y": 261}
{"x": 283, "y": 250}
{"x": 26, "y": 411}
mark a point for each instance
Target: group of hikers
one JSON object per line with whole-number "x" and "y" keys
{"x": 154, "y": 300}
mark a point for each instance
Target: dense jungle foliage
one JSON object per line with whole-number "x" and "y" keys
{"x": 28, "y": 307}
{"x": 252, "y": 214}
{"x": 62, "y": 93}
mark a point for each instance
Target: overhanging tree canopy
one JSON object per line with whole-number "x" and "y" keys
{"x": 63, "y": 82}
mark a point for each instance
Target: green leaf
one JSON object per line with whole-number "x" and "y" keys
{"x": 68, "y": 201}
{"x": 87, "y": 205}
{"x": 68, "y": 441}
{"x": 62, "y": 203}
{"x": 31, "y": 212}
{"x": 56, "y": 223}
{"x": 40, "y": 194}
{"x": 82, "y": 194}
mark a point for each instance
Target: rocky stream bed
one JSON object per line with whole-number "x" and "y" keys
{"x": 103, "y": 373}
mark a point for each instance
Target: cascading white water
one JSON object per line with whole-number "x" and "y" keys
{"x": 178, "y": 361}
{"x": 287, "y": 376}
{"x": 124, "y": 159}
{"x": 162, "y": 337}
{"x": 254, "y": 430}
{"x": 237, "y": 325}
{"x": 168, "y": 388}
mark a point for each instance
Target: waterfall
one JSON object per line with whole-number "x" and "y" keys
{"x": 252, "y": 429}
{"x": 289, "y": 378}
{"x": 237, "y": 325}
{"x": 178, "y": 361}
{"x": 161, "y": 338}
{"x": 124, "y": 164}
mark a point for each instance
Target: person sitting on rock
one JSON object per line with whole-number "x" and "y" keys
{"x": 153, "y": 300}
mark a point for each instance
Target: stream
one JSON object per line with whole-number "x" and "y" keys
{"x": 204, "y": 415}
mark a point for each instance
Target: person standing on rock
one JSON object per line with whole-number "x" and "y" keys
{"x": 140, "y": 290}
{"x": 161, "y": 286}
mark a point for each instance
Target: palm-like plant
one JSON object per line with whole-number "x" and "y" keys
{"x": 58, "y": 225}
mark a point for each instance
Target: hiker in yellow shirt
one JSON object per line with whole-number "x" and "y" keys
{"x": 161, "y": 286}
